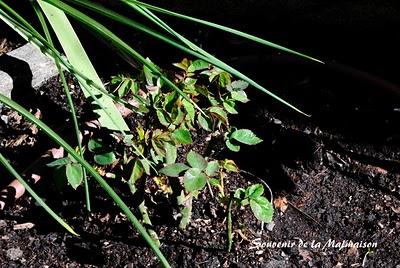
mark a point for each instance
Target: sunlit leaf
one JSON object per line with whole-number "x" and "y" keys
{"x": 170, "y": 153}
{"x": 212, "y": 168}
{"x": 74, "y": 174}
{"x": 59, "y": 162}
{"x": 198, "y": 65}
{"x": 245, "y": 136}
{"x": 195, "y": 160}
{"x": 182, "y": 136}
{"x": 262, "y": 209}
{"x": 231, "y": 146}
{"x": 255, "y": 191}
{"x": 239, "y": 95}
{"x": 203, "y": 122}
{"x": 194, "y": 179}
{"x": 105, "y": 158}
{"x": 173, "y": 170}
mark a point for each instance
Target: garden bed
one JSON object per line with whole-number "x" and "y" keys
{"x": 338, "y": 187}
{"x": 335, "y": 176}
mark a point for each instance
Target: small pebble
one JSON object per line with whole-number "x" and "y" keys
{"x": 23, "y": 226}
{"x": 4, "y": 118}
{"x": 3, "y": 224}
{"x": 14, "y": 253}
{"x": 270, "y": 226}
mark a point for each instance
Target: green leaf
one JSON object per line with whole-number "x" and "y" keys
{"x": 240, "y": 193}
{"x": 59, "y": 162}
{"x": 189, "y": 109}
{"x": 195, "y": 160}
{"x": 203, "y": 122}
{"x": 179, "y": 117}
{"x": 262, "y": 209}
{"x": 149, "y": 75}
{"x": 220, "y": 114}
{"x": 157, "y": 153}
{"x": 123, "y": 88}
{"x": 182, "y": 136}
{"x": 229, "y": 107}
{"x": 214, "y": 182}
{"x": 255, "y": 191}
{"x": 231, "y": 146}
{"x": 173, "y": 170}
{"x": 170, "y": 153}
{"x": 146, "y": 165}
{"x": 230, "y": 165}
{"x": 137, "y": 172}
{"x": 74, "y": 174}
{"x": 239, "y": 96}
{"x": 198, "y": 65}
{"x": 183, "y": 64}
{"x": 162, "y": 118}
{"x": 134, "y": 87}
{"x": 170, "y": 100}
{"x": 194, "y": 180}
{"x": 239, "y": 85}
{"x": 224, "y": 79}
{"x": 245, "y": 136}
{"x": 212, "y": 168}
{"x": 95, "y": 144}
{"x": 105, "y": 159}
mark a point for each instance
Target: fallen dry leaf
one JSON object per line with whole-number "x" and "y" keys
{"x": 281, "y": 203}
{"x": 36, "y": 177}
{"x": 57, "y": 153}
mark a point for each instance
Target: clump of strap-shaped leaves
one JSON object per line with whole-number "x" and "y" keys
{"x": 73, "y": 59}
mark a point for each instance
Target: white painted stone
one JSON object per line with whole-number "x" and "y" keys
{"x": 42, "y": 67}
{"x": 6, "y": 84}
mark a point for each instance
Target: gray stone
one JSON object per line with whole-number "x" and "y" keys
{"x": 42, "y": 67}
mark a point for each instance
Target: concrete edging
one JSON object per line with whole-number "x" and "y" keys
{"x": 42, "y": 67}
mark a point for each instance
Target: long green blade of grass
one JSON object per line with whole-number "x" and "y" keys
{"x": 30, "y": 34}
{"x": 67, "y": 92}
{"x": 205, "y": 56}
{"x": 222, "y": 28}
{"x": 24, "y": 28}
{"x": 8, "y": 102}
{"x": 77, "y": 57}
{"x": 40, "y": 201}
{"x": 55, "y": 137}
{"x": 118, "y": 43}
{"x": 210, "y": 58}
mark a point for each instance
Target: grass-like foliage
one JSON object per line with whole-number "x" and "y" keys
{"x": 178, "y": 103}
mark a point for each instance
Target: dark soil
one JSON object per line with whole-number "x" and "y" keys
{"x": 339, "y": 186}
{"x": 9, "y": 40}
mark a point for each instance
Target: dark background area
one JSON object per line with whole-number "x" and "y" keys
{"x": 361, "y": 33}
